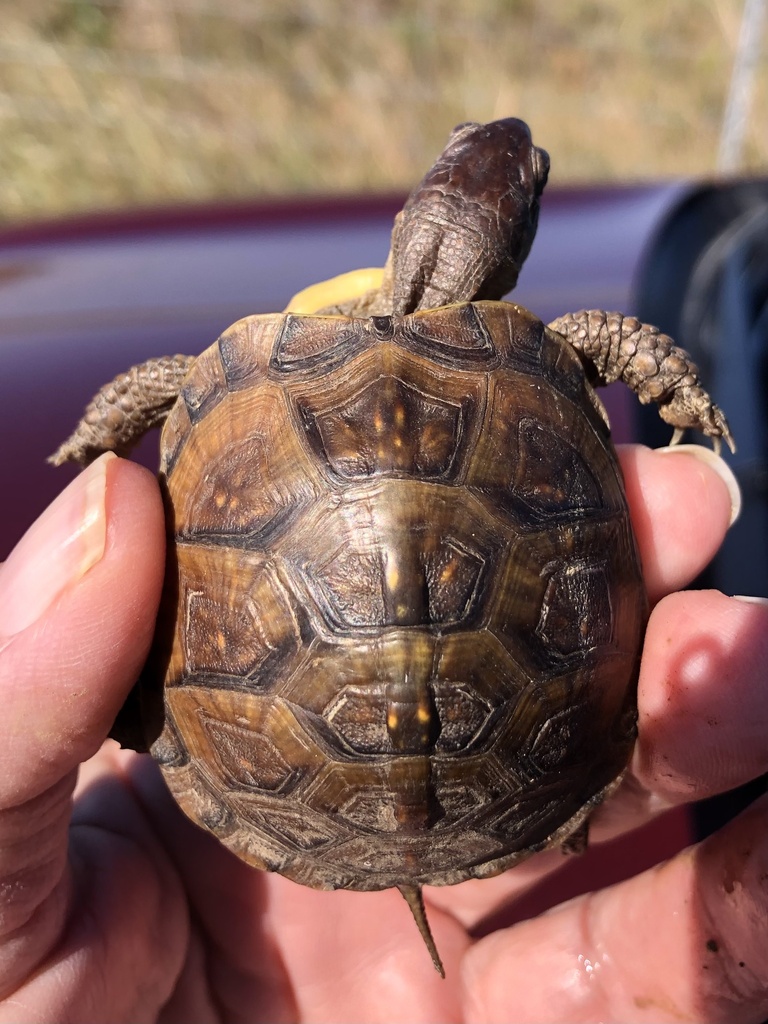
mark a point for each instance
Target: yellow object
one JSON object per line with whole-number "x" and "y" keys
{"x": 335, "y": 290}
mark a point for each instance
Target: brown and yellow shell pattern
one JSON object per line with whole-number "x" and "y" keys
{"x": 404, "y": 608}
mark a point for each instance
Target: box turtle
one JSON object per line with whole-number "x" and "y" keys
{"x": 403, "y": 610}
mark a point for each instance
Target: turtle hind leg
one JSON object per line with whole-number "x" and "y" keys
{"x": 412, "y": 896}
{"x": 121, "y": 412}
{"x": 618, "y": 347}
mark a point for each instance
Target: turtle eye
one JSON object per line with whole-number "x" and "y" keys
{"x": 540, "y": 168}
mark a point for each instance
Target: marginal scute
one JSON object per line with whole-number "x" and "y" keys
{"x": 518, "y": 336}
{"x": 205, "y": 387}
{"x": 456, "y": 335}
{"x": 310, "y": 833}
{"x": 197, "y": 795}
{"x": 309, "y": 345}
{"x": 245, "y": 349}
{"x": 565, "y": 371}
{"x": 176, "y": 432}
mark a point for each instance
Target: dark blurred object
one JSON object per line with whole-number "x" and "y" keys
{"x": 705, "y": 282}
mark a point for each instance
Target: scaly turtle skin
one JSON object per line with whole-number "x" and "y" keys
{"x": 403, "y": 611}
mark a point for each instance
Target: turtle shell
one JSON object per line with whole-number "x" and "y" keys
{"x": 403, "y": 615}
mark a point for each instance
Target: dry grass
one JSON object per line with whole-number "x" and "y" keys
{"x": 110, "y": 102}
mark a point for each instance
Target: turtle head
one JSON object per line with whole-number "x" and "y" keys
{"x": 468, "y": 226}
{"x": 499, "y": 156}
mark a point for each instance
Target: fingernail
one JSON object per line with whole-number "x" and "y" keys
{"x": 748, "y": 599}
{"x": 720, "y": 466}
{"x": 56, "y": 551}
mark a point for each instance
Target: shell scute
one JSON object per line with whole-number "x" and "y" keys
{"x": 539, "y": 458}
{"x": 245, "y": 742}
{"x": 517, "y": 334}
{"x": 388, "y": 426}
{"x": 551, "y": 579}
{"x": 456, "y": 336}
{"x": 263, "y": 475}
{"x": 244, "y": 350}
{"x": 306, "y": 346}
{"x": 393, "y": 553}
{"x": 390, "y": 413}
{"x": 205, "y": 387}
{"x": 236, "y": 619}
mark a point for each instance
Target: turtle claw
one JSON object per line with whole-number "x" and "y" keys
{"x": 724, "y": 431}
{"x": 716, "y": 439}
{"x": 717, "y": 430}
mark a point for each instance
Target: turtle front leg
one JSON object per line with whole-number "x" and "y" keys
{"x": 617, "y": 347}
{"x": 121, "y": 412}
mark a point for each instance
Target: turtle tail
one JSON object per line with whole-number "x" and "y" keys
{"x": 412, "y": 896}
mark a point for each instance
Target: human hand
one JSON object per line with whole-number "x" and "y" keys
{"x": 119, "y": 909}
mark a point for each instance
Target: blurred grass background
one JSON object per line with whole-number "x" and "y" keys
{"x": 115, "y": 102}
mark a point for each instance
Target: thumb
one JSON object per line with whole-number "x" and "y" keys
{"x": 78, "y": 599}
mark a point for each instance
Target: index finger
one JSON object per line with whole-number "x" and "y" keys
{"x": 682, "y": 501}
